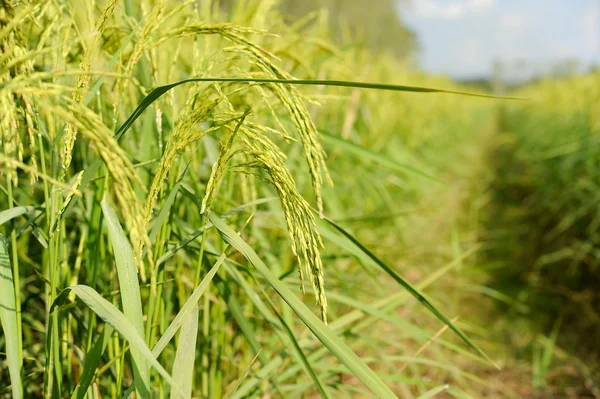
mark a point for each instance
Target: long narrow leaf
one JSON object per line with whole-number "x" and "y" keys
{"x": 236, "y": 311}
{"x": 311, "y": 373}
{"x": 359, "y": 248}
{"x": 12, "y": 213}
{"x": 164, "y": 212}
{"x": 92, "y": 360}
{"x": 337, "y": 346}
{"x": 130, "y": 293}
{"x": 183, "y": 313}
{"x": 159, "y": 91}
{"x": 183, "y": 367}
{"x": 365, "y": 153}
{"x": 196, "y": 233}
{"x": 186, "y": 308}
{"x": 8, "y": 319}
{"x": 113, "y": 316}
{"x": 279, "y": 326}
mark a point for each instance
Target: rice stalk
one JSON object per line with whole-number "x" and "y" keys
{"x": 185, "y": 133}
{"x": 12, "y": 43}
{"x": 12, "y": 165}
{"x": 83, "y": 80}
{"x": 225, "y": 154}
{"x": 287, "y": 94}
{"x": 122, "y": 171}
{"x": 304, "y": 238}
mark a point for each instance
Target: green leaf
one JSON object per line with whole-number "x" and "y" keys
{"x": 337, "y": 346}
{"x": 159, "y": 91}
{"x": 236, "y": 311}
{"x": 186, "y": 308}
{"x": 365, "y": 153}
{"x": 233, "y": 389}
{"x": 12, "y": 213}
{"x": 111, "y": 315}
{"x": 278, "y": 325}
{"x": 181, "y": 316}
{"x": 358, "y": 249}
{"x": 311, "y": 373}
{"x": 130, "y": 293}
{"x": 549, "y": 349}
{"x": 8, "y": 319}
{"x": 164, "y": 212}
{"x": 196, "y": 233}
{"x": 434, "y": 392}
{"x": 183, "y": 367}
{"x": 92, "y": 360}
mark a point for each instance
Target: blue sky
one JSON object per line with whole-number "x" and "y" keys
{"x": 462, "y": 38}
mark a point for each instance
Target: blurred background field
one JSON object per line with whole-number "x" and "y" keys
{"x": 488, "y": 207}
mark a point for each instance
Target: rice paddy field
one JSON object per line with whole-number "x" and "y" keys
{"x": 209, "y": 202}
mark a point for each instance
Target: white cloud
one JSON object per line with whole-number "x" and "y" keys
{"x": 482, "y": 4}
{"x": 437, "y": 9}
{"x": 513, "y": 20}
{"x": 590, "y": 29}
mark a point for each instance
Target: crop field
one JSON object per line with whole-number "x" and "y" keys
{"x": 208, "y": 201}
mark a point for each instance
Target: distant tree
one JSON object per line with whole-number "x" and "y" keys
{"x": 564, "y": 67}
{"x": 377, "y": 22}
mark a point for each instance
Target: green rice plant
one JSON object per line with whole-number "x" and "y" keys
{"x": 144, "y": 121}
{"x": 545, "y": 182}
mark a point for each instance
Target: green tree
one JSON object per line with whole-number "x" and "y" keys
{"x": 377, "y": 22}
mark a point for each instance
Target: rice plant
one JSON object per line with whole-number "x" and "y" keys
{"x": 172, "y": 174}
{"x": 545, "y": 183}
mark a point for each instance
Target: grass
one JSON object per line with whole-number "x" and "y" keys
{"x": 548, "y": 186}
{"x": 129, "y": 127}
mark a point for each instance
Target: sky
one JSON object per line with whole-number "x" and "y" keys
{"x": 462, "y": 38}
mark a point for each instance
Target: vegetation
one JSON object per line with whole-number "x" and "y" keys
{"x": 174, "y": 174}
{"x": 543, "y": 218}
{"x": 376, "y": 24}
